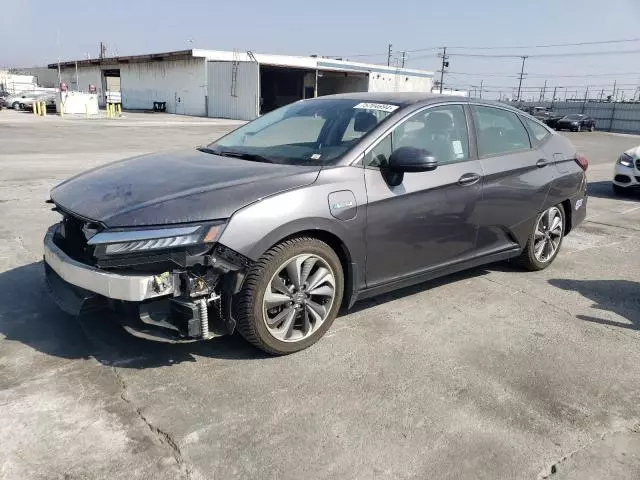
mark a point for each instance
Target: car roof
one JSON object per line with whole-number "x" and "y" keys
{"x": 410, "y": 98}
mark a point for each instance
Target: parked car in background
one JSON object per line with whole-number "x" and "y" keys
{"x": 14, "y": 101}
{"x": 626, "y": 175}
{"x": 549, "y": 118}
{"x": 3, "y": 98}
{"x": 576, "y": 123}
{"x": 272, "y": 228}
{"x": 48, "y": 98}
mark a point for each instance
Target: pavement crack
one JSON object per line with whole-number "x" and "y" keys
{"x": 164, "y": 437}
{"x": 621, "y": 227}
{"x": 553, "y": 468}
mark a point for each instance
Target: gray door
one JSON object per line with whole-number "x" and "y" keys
{"x": 234, "y": 90}
{"x": 429, "y": 219}
{"x": 517, "y": 178}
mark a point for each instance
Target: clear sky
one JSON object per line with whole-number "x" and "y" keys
{"x": 36, "y": 32}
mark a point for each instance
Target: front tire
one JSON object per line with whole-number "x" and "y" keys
{"x": 291, "y": 296}
{"x": 15, "y": 105}
{"x": 545, "y": 240}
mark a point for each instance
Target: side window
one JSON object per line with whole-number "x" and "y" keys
{"x": 440, "y": 130}
{"x": 540, "y": 133}
{"x": 499, "y": 131}
{"x": 379, "y": 154}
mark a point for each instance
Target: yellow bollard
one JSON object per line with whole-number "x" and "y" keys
{"x": 86, "y": 110}
{"x": 108, "y": 110}
{"x": 35, "y": 108}
{"x": 43, "y": 109}
{"x": 119, "y": 106}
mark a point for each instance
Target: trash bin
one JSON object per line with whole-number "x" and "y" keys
{"x": 159, "y": 106}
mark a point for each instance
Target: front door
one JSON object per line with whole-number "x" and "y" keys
{"x": 429, "y": 219}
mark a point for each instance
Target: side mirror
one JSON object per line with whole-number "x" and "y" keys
{"x": 407, "y": 159}
{"x": 410, "y": 159}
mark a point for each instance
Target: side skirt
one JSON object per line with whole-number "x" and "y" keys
{"x": 438, "y": 272}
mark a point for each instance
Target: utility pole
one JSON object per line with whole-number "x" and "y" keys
{"x": 445, "y": 64}
{"x": 555, "y": 89}
{"x": 404, "y": 55}
{"x": 103, "y": 50}
{"x": 601, "y": 95}
{"x": 524, "y": 58}
{"x": 543, "y": 90}
{"x": 481, "y": 82}
{"x": 389, "y": 56}
{"x": 613, "y": 96}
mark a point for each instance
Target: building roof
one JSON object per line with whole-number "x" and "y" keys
{"x": 311, "y": 62}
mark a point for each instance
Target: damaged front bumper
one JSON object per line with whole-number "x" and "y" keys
{"x": 129, "y": 288}
{"x": 166, "y": 306}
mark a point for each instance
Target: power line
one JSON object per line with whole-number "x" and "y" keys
{"x": 505, "y": 47}
{"x": 544, "y": 55}
{"x": 545, "y": 75}
{"x": 552, "y": 45}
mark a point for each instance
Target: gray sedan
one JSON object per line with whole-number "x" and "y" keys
{"x": 273, "y": 228}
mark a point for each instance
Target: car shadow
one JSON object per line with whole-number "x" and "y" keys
{"x": 621, "y": 297}
{"x": 28, "y": 315}
{"x": 605, "y": 190}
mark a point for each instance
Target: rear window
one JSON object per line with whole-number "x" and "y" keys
{"x": 540, "y": 132}
{"x": 499, "y": 131}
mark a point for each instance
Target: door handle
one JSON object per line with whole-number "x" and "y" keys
{"x": 469, "y": 179}
{"x": 543, "y": 162}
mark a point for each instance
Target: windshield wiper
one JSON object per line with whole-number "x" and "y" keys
{"x": 230, "y": 153}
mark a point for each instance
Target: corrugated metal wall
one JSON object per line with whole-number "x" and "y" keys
{"x": 245, "y": 104}
{"x": 179, "y": 83}
{"x": 614, "y": 117}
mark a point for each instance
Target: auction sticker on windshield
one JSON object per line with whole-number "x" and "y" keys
{"x": 383, "y": 107}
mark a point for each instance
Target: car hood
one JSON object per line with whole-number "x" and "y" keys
{"x": 564, "y": 120}
{"x": 175, "y": 187}
{"x": 634, "y": 152}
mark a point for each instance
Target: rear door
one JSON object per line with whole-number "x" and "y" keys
{"x": 517, "y": 178}
{"x": 429, "y": 219}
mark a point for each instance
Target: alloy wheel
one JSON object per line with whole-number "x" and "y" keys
{"x": 298, "y": 298}
{"x": 548, "y": 235}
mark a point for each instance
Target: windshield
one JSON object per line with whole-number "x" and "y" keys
{"x": 310, "y": 132}
{"x": 573, "y": 117}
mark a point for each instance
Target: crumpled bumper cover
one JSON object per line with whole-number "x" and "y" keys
{"x": 117, "y": 286}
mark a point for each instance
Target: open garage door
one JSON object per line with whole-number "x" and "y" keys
{"x": 233, "y": 90}
{"x": 331, "y": 82}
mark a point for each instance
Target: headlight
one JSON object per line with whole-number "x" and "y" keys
{"x": 625, "y": 160}
{"x": 131, "y": 241}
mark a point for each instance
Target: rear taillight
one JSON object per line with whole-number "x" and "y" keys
{"x": 582, "y": 161}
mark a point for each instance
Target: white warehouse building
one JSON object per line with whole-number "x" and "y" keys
{"x": 231, "y": 85}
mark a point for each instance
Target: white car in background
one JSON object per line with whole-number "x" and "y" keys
{"x": 626, "y": 175}
{"x": 15, "y": 100}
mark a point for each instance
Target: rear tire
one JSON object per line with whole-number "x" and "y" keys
{"x": 545, "y": 239}
{"x": 15, "y": 105}
{"x": 259, "y": 324}
{"x": 592, "y": 128}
